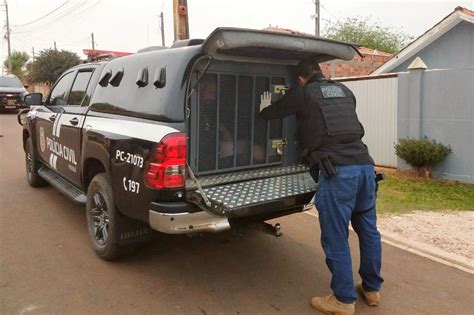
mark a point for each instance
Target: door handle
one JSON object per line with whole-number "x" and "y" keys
{"x": 74, "y": 121}
{"x": 52, "y": 118}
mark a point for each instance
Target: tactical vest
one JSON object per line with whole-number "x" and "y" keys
{"x": 329, "y": 123}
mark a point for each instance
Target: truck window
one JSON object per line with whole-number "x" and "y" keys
{"x": 59, "y": 93}
{"x": 79, "y": 87}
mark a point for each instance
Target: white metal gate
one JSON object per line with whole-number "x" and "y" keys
{"x": 377, "y": 111}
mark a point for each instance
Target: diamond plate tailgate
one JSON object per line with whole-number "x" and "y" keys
{"x": 251, "y": 192}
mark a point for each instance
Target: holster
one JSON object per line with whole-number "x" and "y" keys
{"x": 318, "y": 162}
{"x": 326, "y": 166}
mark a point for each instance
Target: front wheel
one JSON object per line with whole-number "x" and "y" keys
{"x": 32, "y": 166}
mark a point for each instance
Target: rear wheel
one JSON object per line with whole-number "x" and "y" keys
{"x": 104, "y": 221}
{"x": 32, "y": 166}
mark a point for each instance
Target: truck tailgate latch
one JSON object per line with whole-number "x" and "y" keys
{"x": 200, "y": 198}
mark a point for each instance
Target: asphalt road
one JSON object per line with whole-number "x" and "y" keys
{"x": 47, "y": 266}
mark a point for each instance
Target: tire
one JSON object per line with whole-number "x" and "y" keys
{"x": 32, "y": 166}
{"x": 104, "y": 221}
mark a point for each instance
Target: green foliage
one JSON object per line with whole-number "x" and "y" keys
{"x": 364, "y": 32}
{"x": 19, "y": 59}
{"x": 50, "y": 64}
{"x": 422, "y": 154}
{"x": 401, "y": 194}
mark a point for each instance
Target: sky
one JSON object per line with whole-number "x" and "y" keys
{"x": 124, "y": 25}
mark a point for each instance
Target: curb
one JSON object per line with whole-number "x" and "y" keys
{"x": 428, "y": 251}
{"x": 424, "y": 250}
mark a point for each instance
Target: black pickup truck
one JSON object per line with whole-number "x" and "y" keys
{"x": 171, "y": 139}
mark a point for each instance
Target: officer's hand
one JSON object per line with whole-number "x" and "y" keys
{"x": 265, "y": 100}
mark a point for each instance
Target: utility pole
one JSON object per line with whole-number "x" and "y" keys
{"x": 8, "y": 39}
{"x": 181, "y": 23}
{"x": 162, "y": 27}
{"x": 93, "y": 42}
{"x": 55, "y": 48}
{"x": 316, "y": 18}
{"x": 33, "y": 51}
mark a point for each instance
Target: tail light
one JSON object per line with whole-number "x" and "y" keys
{"x": 167, "y": 167}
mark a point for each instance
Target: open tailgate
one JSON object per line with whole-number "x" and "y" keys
{"x": 253, "y": 192}
{"x": 260, "y": 46}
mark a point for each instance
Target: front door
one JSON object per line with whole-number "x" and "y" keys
{"x": 47, "y": 118}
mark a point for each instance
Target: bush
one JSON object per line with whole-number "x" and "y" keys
{"x": 422, "y": 154}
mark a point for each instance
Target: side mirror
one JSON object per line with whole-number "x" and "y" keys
{"x": 34, "y": 99}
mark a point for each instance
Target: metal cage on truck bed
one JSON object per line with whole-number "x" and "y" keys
{"x": 245, "y": 165}
{"x": 226, "y": 130}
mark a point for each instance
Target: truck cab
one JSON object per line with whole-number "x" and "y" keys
{"x": 171, "y": 139}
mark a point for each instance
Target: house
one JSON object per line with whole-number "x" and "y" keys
{"x": 447, "y": 45}
{"x": 425, "y": 90}
{"x": 359, "y": 65}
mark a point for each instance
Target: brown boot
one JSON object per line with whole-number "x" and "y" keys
{"x": 332, "y": 306}
{"x": 370, "y": 298}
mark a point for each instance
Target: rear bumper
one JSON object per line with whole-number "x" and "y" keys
{"x": 187, "y": 222}
{"x": 186, "y": 218}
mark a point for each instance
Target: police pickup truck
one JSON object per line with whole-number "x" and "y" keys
{"x": 171, "y": 139}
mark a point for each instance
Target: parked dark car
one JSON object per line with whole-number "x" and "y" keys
{"x": 12, "y": 93}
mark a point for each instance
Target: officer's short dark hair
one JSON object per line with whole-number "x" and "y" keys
{"x": 307, "y": 68}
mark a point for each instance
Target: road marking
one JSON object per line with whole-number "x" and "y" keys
{"x": 412, "y": 250}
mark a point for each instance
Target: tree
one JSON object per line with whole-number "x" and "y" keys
{"x": 50, "y": 64}
{"x": 19, "y": 59}
{"x": 364, "y": 32}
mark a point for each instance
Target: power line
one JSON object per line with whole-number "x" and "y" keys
{"x": 330, "y": 13}
{"x": 44, "y": 16}
{"x": 58, "y": 16}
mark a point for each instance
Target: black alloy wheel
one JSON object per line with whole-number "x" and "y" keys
{"x": 104, "y": 222}
{"x": 29, "y": 165}
{"x": 100, "y": 219}
{"x": 32, "y": 166}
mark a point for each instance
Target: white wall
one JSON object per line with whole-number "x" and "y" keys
{"x": 377, "y": 111}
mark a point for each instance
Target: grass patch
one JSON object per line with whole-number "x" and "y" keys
{"x": 402, "y": 194}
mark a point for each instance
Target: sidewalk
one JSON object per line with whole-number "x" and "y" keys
{"x": 417, "y": 239}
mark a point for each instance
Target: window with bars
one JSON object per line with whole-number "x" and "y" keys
{"x": 230, "y": 133}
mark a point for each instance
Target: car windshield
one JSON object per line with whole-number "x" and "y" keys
{"x": 10, "y": 82}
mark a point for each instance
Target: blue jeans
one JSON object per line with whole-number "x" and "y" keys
{"x": 349, "y": 195}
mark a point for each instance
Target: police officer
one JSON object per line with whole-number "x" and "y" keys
{"x": 330, "y": 138}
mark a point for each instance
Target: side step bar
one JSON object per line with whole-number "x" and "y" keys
{"x": 63, "y": 185}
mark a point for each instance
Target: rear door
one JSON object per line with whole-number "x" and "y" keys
{"x": 69, "y": 126}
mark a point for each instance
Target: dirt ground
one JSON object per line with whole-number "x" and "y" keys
{"x": 448, "y": 231}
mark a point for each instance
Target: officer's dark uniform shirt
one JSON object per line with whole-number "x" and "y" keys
{"x": 327, "y": 121}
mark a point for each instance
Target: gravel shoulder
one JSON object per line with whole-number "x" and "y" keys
{"x": 451, "y": 232}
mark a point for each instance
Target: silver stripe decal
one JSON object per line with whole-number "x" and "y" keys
{"x": 55, "y": 161}
{"x": 57, "y": 125}
{"x": 139, "y": 130}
